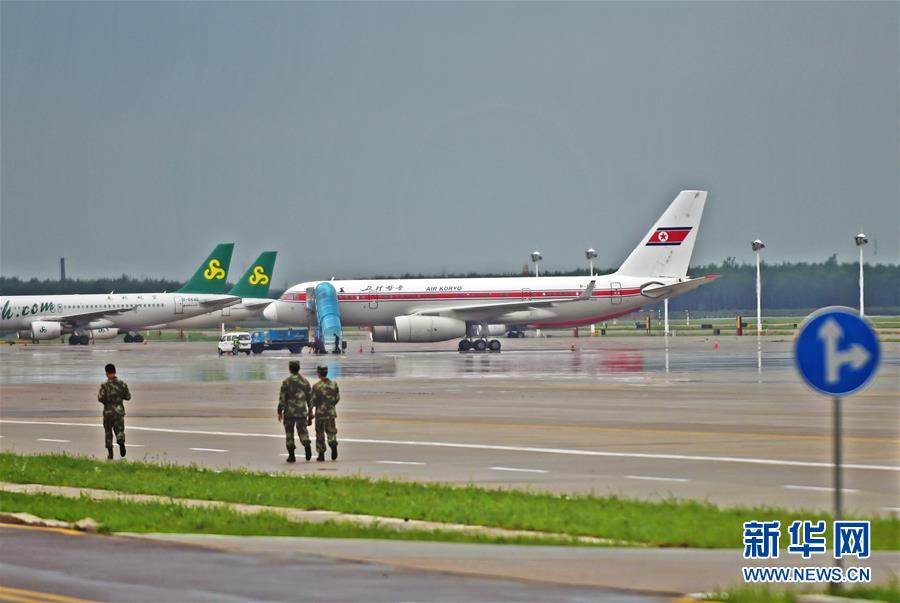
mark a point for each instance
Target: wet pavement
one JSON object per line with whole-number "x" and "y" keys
{"x": 607, "y": 418}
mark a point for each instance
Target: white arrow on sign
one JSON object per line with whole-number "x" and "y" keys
{"x": 857, "y": 356}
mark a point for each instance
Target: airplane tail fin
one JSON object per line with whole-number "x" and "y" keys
{"x": 255, "y": 282}
{"x": 210, "y": 276}
{"x": 666, "y": 249}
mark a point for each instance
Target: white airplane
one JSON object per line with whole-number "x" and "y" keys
{"x": 253, "y": 289}
{"x": 439, "y": 309}
{"x": 102, "y": 316}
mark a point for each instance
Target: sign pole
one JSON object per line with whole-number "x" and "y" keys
{"x": 835, "y": 587}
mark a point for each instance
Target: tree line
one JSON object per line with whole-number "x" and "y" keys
{"x": 785, "y": 286}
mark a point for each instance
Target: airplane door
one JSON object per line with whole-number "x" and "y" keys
{"x": 373, "y": 301}
{"x": 179, "y": 304}
{"x": 526, "y": 295}
{"x": 616, "y": 293}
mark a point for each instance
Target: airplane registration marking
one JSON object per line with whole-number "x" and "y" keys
{"x": 560, "y": 451}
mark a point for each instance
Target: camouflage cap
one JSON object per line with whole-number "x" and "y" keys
{"x": 322, "y": 369}
{"x": 294, "y": 365}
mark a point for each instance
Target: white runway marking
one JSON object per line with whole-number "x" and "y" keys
{"x": 891, "y": 509}
{"x": 562, "y": 451}
{"x": 819, "y": 489}
{"x": 399, "y": 463}
{"x": 658, "y": 479}
{"x": 519, "y": 470}
{"x": 208, "y": 449}
{"x": 52, "y": 440}
{"x": 135, "y": 445}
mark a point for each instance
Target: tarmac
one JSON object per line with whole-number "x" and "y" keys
{"x": 607, "y": 418}
{"x": 619, "y": 416}
{"x": 59, "y": 565}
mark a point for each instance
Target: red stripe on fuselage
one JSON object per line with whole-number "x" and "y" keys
{"x": 465, "y": 295}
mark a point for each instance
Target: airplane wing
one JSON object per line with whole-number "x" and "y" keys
{"x": 220, "y": 302}
{"x": 84, "y": 317}
{"x": 255, "y": 304}
{"x": 504, "y": 307}
{"x": 658, "y": 290}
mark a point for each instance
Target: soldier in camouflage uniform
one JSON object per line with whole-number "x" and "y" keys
{"x": 325, "y": 396}
{"x": 292, "y": 410}
{"x": 113, "y": 393}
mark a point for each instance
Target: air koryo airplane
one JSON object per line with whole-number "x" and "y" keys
{"x": 102, "y": 316}
{"x": 429, "y": 310}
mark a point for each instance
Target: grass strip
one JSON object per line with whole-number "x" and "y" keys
{"x": 667, "y": 523}
{"x": 174, "y": 518}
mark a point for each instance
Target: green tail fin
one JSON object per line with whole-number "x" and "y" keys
{"x": 255, "y": 282}
{"x": 210, "y": 276}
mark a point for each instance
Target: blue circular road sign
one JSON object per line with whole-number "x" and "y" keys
{"x": 836, "y": 351}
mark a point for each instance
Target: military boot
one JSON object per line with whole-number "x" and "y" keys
{"x": 291, "y": 458}
{"x": 308, "y": 449}
{"x": 109, "y": 453}
{"x": 321, "y": 456}
{"x": 333, "y": 451}
{"x": 122, "y": 449}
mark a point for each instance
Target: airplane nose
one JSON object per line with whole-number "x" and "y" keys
{"x": 271, "y": 312}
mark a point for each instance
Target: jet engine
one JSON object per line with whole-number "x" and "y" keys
{"x": 45, "y": 329}
{"x": 384, "y": 334}
{"x": 427, "y": 329}
{"x": 104, "y": 333}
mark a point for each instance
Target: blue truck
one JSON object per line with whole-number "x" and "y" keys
{"x": 293, "y": 340}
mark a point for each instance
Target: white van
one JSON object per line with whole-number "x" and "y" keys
{"x": 226, "y": 343}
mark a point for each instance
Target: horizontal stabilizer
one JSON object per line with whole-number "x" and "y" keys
{"x": 659, "y": 291}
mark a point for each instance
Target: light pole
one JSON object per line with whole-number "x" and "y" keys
{"x": 535, "y": 258}
{"x": 757, "y": 246}
{"x": 590, "y": 254}
{"x": 861, "y": 240}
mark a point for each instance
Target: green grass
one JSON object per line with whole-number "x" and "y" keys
{"x": 670, "y": 523}
{"x": 889, "y": 592}
{"x": 172, "y": 518}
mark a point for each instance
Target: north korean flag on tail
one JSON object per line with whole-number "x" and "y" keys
{"x": 674, "y": 235}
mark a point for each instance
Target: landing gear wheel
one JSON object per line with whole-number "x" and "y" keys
{"x": 139, "y": 339}
{"x": 480, "y": 345}
{"x": 73, "y": 339}
{"x": 84, "y": 340}
{"x": 494, "y": 345}
{"x": 465, "y": 345}
{"x": 129, "y": 338}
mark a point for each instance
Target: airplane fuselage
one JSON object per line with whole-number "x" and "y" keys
{"x": 131, "y": 310}
{"x": 379, "y": 302}
{"x": 230, "y": 315}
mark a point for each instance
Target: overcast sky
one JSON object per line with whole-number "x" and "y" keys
{"x": 364, "y": 138}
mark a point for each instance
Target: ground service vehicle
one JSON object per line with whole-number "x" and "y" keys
{"x": 292, "y": 340}
{"x": 226, "y": 343}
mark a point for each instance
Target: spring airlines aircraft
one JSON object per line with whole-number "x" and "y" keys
{"x": 102, "y": 316}
{"x": 427, "y": 310}
{"x": 253, "y": 289}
